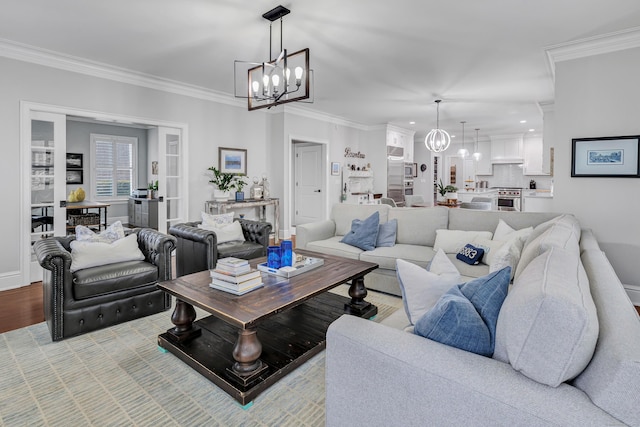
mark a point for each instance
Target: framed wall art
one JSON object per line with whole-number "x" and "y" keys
{"x": 335, "y": 168}
{"x": 232, "y": 160}
{"x": 611, "y": 156}
{"x": 74, "y": 176}
{"x": 74, "y": 160}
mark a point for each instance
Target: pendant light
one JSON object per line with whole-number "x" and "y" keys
{"x": 477, "y": 155}
{"x": 437, "y": 140}
{"x": 463, "y": 152}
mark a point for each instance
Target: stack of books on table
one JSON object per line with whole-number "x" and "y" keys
{"x": 235, "y": 276}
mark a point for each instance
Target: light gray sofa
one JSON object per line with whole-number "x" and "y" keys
{"x": 416, "y": 236}
{"x": 379, "y": 375}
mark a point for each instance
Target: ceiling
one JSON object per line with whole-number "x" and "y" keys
{"x": 374, "y": 62}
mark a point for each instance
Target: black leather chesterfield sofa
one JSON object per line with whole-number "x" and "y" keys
{"x": 98, "y": 297}
{"x": 198, "y": 249}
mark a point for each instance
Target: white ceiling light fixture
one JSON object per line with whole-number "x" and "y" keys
{"x": 477, "y": 155}
{"x": 463, "y": 152}
{"x": 437, "y": 140}
{"x": 286, "y": 78}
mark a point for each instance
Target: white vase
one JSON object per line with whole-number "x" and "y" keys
{"x": 221, "y": 195}
{"x": 451, "y": 196}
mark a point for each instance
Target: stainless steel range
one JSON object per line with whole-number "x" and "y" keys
{"x": 509, "y": 199}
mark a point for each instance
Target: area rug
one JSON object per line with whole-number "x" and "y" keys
{"x": 118, "y": 377}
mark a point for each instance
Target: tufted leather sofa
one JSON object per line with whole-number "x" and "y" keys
{"x": 97, "y": 297}
{"x": 198, "y": 249}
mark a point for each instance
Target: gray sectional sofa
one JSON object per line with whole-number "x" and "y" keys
{"x": 567, "y": 339}
{"x": 415, "y": 238}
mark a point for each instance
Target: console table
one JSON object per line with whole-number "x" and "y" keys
{"x": 222, "y": 206}
{"x": 82, "y": 208}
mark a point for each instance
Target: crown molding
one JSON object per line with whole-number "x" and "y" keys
{"x": 48, "y": 58}
{"x": 590, "y": 46}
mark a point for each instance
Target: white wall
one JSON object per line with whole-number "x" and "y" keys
{"x": 210, "y": 125}
{"x": 598, "y": 96}
{"x": 265, "y": 134}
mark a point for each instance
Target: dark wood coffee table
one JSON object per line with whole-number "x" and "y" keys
{"x": 251, "y": 341}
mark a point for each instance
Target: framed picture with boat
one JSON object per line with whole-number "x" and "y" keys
{"x": 611, "y": 156}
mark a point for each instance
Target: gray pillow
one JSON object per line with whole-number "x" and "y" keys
{"x": 548, "y": 325}
{"x": 387, "y": 234}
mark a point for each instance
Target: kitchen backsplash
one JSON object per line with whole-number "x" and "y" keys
{"x": 510, "y": 175}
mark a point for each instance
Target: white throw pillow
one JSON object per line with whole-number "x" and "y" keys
{"x": 112, "y": 233}
{"x": 451, "y": 241}
{"x": 213, "y": 220}
{"x": 93, "y": 254}
{"x": 508, "y": 255}
{"x": 226, "y": 232}
{"x": 422, "y": 288}
{"x": 490, "y": 247}
{"x": 558, "y": 235}
{"x": 505, "y": 232}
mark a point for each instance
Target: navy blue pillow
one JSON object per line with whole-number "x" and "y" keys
{"x": 363, "y": 233}
{"x": 465, "y": 317}
{"x": 470, "y": 254}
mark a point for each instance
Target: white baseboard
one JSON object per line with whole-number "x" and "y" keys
{"x": 634, "y": 293}
{"x": 11, "y": 280}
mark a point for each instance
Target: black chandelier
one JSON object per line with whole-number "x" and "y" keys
{"x": 280, "y": 80}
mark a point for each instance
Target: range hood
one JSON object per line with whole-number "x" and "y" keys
{"x": 507, "y": 149}
{"x": 516, "y": 161}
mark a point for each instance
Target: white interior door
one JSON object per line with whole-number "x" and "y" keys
{"x": 45, "y": 199}
{"x": 171, "y": 178}
{"x": 309, "y": 183}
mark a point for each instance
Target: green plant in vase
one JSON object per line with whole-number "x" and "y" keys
{"x": 239, "y": 185}
{"x": 224, "y": 182}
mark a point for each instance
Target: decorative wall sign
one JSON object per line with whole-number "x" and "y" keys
{"x": 349, "y": 153}
{"x": 232, "y": 160}
{"x": 611, "y": 156}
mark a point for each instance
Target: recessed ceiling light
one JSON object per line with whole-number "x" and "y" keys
{"x": 453, "y": 136}
{"x": 412, "y": 123}
{"x": 532, "y": 130}
{"x": 523, "y": 121}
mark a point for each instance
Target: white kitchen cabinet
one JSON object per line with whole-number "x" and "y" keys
{"x": 506, "y": 148}
{"x": 533, "y": 153}
{"x": 537, "y": 204}
{"x": 484, "y": 165}
{"x": 399, "y": 137}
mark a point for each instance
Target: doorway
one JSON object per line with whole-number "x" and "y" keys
{"x": 37, "y": 147}
{"x": 309, "y": 182}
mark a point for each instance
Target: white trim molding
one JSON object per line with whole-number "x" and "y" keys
{"x": 53, "y": 59}
{"x": 590, "y": 46}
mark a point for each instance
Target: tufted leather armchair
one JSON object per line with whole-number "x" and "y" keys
{"x": 198, "y": 249}
{"x": 97, "y": 297}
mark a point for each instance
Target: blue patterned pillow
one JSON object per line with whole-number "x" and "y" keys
{"x": 466, "y": 316}
{"x": 112, "y": 233}
{"x": 470, "y": 254}
{"x": 363, "y": 233}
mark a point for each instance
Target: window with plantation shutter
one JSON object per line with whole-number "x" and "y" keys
{"x": 112, "y": 166}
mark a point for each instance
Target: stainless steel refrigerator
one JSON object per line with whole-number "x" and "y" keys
{"x": 395, "y": 174}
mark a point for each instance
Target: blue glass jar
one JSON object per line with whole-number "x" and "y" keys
{"x": 273, "y": 257}
{"x": 286, "y": 253}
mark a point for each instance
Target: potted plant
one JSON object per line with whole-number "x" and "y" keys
{"x": 239, "y": 185}
{"x": 224, "y": 182}
{"x": 153, "y": 189}
{"x": 447, "y": 192}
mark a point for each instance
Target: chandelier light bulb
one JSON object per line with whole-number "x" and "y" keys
{"x": 276, "y": 82}
{"x": 256, "y": 87}
{"x": 298, "y": 72}
{"x": 477, "y": 155}
{"x": 287, "y": 74}
{"x": 265, "y": 84}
